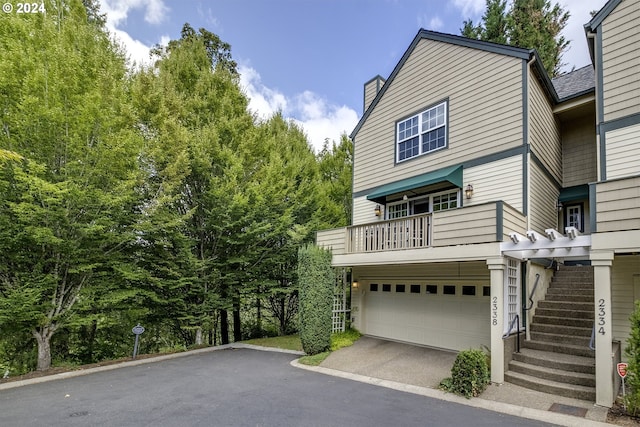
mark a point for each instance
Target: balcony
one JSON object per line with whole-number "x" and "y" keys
{"x": 484, "y": 223}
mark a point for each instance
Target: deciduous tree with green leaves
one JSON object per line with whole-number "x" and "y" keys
{"x": 67, "y": 208}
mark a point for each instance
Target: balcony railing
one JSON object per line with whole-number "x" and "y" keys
{"x": 396, "y": 234}
{"x": 483, "y": 223}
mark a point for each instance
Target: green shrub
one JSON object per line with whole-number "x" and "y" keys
{"x": 632, "y": 399}
{"x": 469, "y": 374}
{"x": 316, "y": 280}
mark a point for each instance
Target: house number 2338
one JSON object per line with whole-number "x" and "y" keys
{"x": 494, "y": 311}
{"x": 601, "y": 316}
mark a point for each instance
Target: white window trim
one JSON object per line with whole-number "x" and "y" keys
{"x": 421, "y": 133}
{"x": 430, "y": 196}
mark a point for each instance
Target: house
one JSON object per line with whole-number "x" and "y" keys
{"x": 489, "y": 199}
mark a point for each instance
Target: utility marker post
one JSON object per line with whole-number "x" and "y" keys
{"x": 137, "y": 330}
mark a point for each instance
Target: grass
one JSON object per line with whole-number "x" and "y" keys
{"x": 288, "y": 342}
{"x": 338, "y": 340}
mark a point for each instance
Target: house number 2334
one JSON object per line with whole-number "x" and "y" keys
{"x": 601, "y": 316}
{"x": 494, "y": 311}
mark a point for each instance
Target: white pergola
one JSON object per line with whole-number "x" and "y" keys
{"x": 552, "y": 244}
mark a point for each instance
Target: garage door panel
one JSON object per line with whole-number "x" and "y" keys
{"x": 456, "y": 322}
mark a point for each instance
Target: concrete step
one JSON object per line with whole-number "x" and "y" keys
{"x": 566, "y": 321}
{"x": 552, "y": 387}
{"x": 561, "y": 329}
{"x": 557, "y": 375}
{"x": 567, "y": 362}
{"x": 561, "y": 338}
{"x": 573, "y": 314}
{"x": 566, "y": 305}
{"x": 569, "y": 292}
{"x": 576, "y": 350}
{"x": 578, "y": 297}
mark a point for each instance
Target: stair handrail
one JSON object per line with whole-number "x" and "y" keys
{"x": 535, "y": 285}
{"x": 593, "y": 338}
{"x": 516, "y": 320}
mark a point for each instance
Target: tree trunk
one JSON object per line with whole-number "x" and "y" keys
{"x": 237, "y": 326}
{"x": 224, "y": 327}
{"x": 43, "y": 337}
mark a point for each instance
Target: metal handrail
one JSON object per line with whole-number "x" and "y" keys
{"x": 535, "y": 285}
{"x": 516, "y": 320}
{"x": 593, "y": 338}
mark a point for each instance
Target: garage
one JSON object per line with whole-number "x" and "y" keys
{"x": 446, "y": 315}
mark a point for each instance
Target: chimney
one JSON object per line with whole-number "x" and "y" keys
{"x": 371, "y": 89}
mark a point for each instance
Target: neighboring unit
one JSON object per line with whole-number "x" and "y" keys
{"x": 478, "y": 181}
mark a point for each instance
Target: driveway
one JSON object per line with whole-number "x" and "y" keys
{"x": 234, "y": 387}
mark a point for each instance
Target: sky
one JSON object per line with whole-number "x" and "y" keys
{"x": 310, "y": 59}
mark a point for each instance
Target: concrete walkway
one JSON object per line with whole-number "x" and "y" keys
{"x": 420, "y": 370}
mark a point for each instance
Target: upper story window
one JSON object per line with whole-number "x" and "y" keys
{"x": 423, "y": 133}
{"x": 424, "y": 204}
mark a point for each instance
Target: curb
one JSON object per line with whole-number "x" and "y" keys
{"x": 503, "y": 408}
{"x": 80, "y": 372}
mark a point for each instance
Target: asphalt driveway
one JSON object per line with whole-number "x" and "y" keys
{"x": 234, "y": 387}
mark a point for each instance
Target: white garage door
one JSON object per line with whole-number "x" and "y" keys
{"x": 445, "y": 315}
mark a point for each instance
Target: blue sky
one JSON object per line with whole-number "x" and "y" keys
{"x": 310, "y": 58}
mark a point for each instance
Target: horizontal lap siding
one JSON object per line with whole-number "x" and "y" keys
{"x": 579, "y": 161}
{"x": 618, "y": 205}
{"x": 469, "y": 225}
{"x": 621, "y": 58}
{"x": 624, "y": 271}
{"x": 333, "y": 239}
{"x": 543, "y": 196}
{"x": 363, "y": 211}
{"x": 499, "y": 180}
{"x": 544, "y": 131}
{"x": 513, "y": 221}
{"x": 623, "y": 152}
{"x": 485, "y": 111}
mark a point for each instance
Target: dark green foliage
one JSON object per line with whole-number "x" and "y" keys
{"x": 532, "y": 24}
{"x": 315, "y": 277}
{"x": 632, "y": 351}
{"x": 469, "y": 374}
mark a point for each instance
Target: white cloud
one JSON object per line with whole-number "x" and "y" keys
{"x": 117, "y": 12}
{"x": 578, "y": 53}
{"x": 435, "y": 23}
{"x": 318, "y": 118}
{"x": 470, "y": 8}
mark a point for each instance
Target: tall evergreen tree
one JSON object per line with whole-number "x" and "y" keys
{"x": 528, "y": 23}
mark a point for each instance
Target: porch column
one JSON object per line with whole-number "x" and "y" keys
{"x": 496, "y": 318}
{"x": 601, "y": 262}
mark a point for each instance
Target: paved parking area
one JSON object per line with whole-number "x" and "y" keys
{"x": 233, "y": 387}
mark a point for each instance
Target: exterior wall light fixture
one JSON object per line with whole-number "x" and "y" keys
{"x": 378, "y": 210}
{"x": 559, "y": 205}
{"x": 355, "y": 284}
{"x": 468, "y": 191}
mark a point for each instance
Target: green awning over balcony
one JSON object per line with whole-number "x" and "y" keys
{"x": 577, "y": 192}
{"x": 452, "y": 174}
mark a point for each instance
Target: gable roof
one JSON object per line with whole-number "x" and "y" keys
{"x": 596, "y": 21}
{"x": 575, "y": 83}
{"x": 501, "y": 49}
